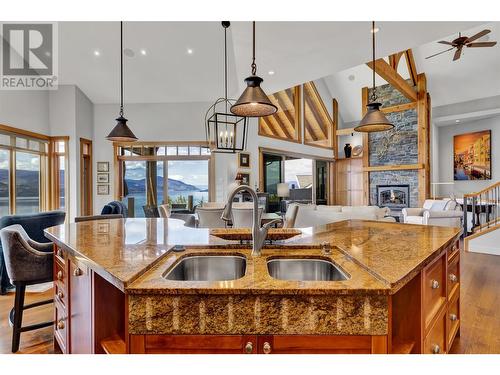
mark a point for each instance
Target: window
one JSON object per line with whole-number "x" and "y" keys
{"x": 59, "y": 178}
{"x": 318, "y": 124}
{"x": 26, "y": 172}
{"x": 177, "y": 174}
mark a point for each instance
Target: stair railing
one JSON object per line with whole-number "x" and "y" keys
{"x": 484, "y": 206}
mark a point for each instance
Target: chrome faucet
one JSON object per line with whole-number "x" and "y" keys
{"x": 259, "y": 233}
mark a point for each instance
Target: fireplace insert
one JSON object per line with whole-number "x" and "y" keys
{"x": 396, "y": 197}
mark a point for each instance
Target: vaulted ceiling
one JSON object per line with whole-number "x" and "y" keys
{"x": 296, "y": 52}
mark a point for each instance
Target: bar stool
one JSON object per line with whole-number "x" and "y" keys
{"x": 28, "y": 262}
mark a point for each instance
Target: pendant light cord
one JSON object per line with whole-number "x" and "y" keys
{"x": 254, "y": 66}
{"x": 121, "y": 68}
{"x": 225, "y": 65}
{"x": 374, "y": 93}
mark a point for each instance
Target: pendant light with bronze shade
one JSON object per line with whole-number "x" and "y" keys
{"x": 254, "y": 101}
{"x": 121, "y": 132}
{"x": 374, "y": 120}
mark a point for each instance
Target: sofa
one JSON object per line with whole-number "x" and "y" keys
{"x": 444, "y": 213}
{"x": 310, "y": 215}
{"x": 33, "y": 224}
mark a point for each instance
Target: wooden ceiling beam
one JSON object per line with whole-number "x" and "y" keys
{"x": 326, "y": 120}
{"x": 287, "y": 111}
{"x": 278, "y": 127}
{"x": 412, "y": 67}
{"x": 312, "y": 120}
{"x": 266, "y": 129}
{"x": 394, "y": 60}
{"x": 384, "y": 70}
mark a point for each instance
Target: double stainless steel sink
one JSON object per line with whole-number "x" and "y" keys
{"x": 232, "y": 267}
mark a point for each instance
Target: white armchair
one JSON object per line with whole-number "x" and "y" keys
{"x": 444, "y": 213}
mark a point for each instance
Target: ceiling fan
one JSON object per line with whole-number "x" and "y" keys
{"x": 463, "y": 41}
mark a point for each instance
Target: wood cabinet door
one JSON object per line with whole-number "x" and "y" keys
{"x": 80, "y": 308}
{"x": 314, "y": 344}
{"x": 193, "y": 344}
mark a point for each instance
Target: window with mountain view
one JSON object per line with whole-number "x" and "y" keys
{"x": 154, "y": 175}
{"x": 4, "y": 182}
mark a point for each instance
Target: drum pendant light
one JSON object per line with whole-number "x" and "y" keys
{"x": 254, "y": 101}
{"x": 121, "y": 132}
{"x": 374, "y": 120}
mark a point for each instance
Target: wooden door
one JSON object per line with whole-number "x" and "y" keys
{"x": 314, "y": 344}
{"x": 80, "y": 308}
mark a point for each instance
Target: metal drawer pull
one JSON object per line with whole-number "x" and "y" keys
{"x": 435, "y": 284}
{"x": 249, "y": 348}
{"x": 453, "y": 317}
{"x": 59, "y": 275}
{"x": 266, "y": 348}
{"x": 77, "y": 272}
{"x": 60, "y": 324}
{"x": 453, "y": 278}
{"x": 60, "y": 295}
{"x": 436, "y": 349}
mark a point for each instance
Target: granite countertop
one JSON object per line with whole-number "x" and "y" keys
{"x": 379, "y": 256}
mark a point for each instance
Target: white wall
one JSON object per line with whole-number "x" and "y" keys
{"x": 27, "y": 110}
{"x": 445, "y": 155}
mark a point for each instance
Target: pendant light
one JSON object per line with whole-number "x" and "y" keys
{"x": 121, "y": 132}
{"x": 254, "y": 101}
{"x": 374, "y": 120}
{"x": 225, "y": 131}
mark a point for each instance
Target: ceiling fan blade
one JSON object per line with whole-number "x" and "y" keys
{"x": 458, "y": 53}
{"x": 482, "y": 44}
{"x": 478, "y": 35}
{"x": 439, "y": 53}
{"x": 445, "y": 42}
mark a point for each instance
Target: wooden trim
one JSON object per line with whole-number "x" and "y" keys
{"x": 293, "y": 154}
{"x": 384, "y": 70}
{"x": 345, "y": 131}
{"x": 402, "y": 167}
{"x": 335, "y": 113}
{"x": 366, "y": 150}
{"x": 379, "y": 345}
{"x": 399, "y": 107}
{"x": 24, "y": 133}
{"x": 163, "y": 157}
{"x": 159, "y": 144}
{"x": 423, "y": 138}
{"x": 90, "y": 182}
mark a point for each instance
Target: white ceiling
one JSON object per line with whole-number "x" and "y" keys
{"x": 296, "y": 51}
{"x": 476, "y": 75}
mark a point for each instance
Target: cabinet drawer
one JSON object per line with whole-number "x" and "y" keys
{"x": 435, "y": 341}
{"x": 453, "y": 251}
{"x": 434, "y": 288}
{"x": 61, "y": 326}
{"x": 453, "y": 278}
{"x": 60, "y": 274}
{"x": 453, "y": 319}
{"x": 60, "y": 294}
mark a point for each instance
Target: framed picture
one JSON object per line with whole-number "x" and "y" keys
{"x": 102, "y": 189}
{"x": 243, "y": 160}
{"x": 472, "y": 156}
{"x": 103, "y": 178}
{"x": 103, "y": 166}
{"x": 245, "y": 178}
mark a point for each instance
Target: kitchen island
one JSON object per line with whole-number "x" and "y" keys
{"x": 117, "y": 290}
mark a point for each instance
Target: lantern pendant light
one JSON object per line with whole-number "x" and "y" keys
{"x": 254, "y": 101}
{"x": 121, "y": 132}
{"x": 374, "y": 120}
{"x": 225, "y": 131}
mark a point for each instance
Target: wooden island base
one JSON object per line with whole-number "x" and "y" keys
{"x": 91, "y": 316}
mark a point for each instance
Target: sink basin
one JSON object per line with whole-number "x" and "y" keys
{"x": 304, "y": 270}
{"x": 208, "y": 268}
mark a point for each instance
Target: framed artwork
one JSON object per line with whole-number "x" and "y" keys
{"x": 244, "y": 160}
{"x": 245, "y": 179}
{"x": 103, "y": 178}
{"x": 472, "y": 156}
{"x": 102, "y": 189}
{"x": 103, "y": 166}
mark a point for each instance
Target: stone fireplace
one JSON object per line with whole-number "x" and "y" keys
{"x": 396, "y": 197}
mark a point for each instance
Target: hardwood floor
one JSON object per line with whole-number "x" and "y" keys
{"x": 480, "y": 296}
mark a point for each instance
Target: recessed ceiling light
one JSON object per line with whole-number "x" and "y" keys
{"x": 375, "y": 30}
{"x": 189, "y": 51}
{"x": 457, "y": 121}
{"x": 271, "y": 72}
{"x": 97, "y": 53}
{"x": 143, "y": 52}
{"x": 351, "y": 77}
